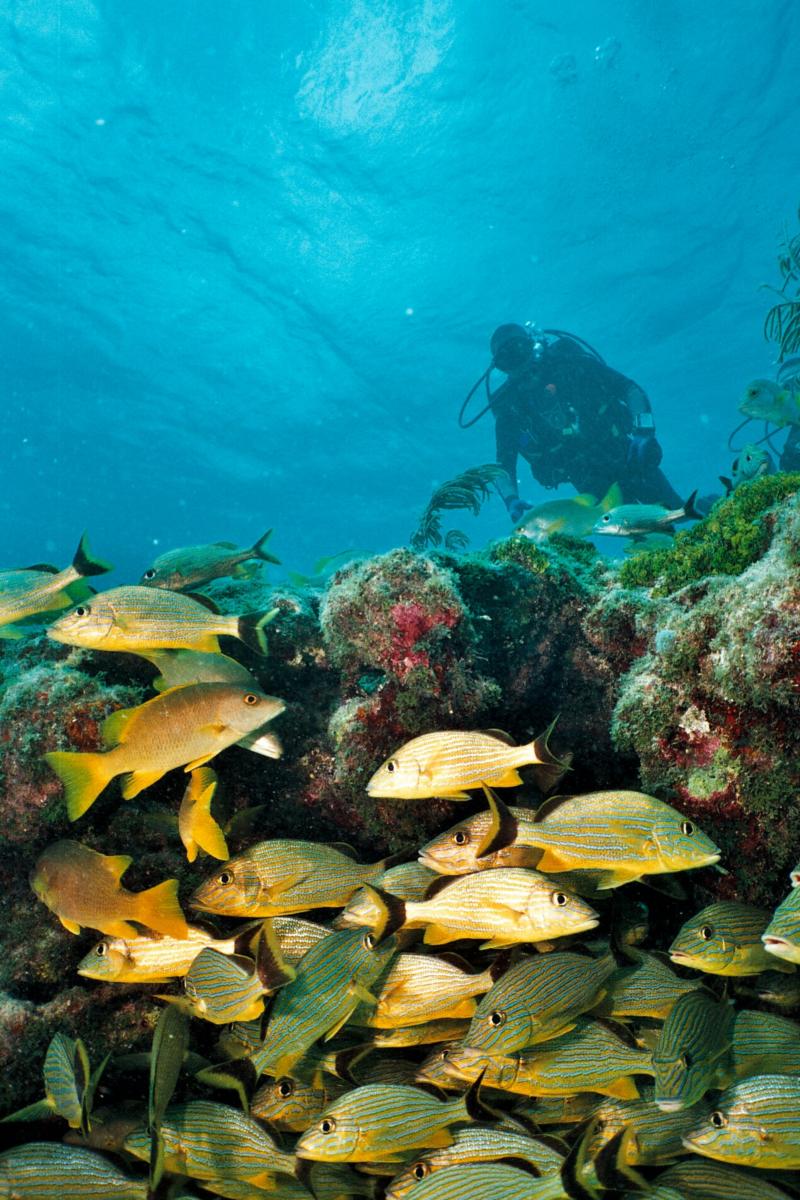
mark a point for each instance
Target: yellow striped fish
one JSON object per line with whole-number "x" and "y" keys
{"x": 205, "y": 1140}
{"x": 537, "y": 999}
{"x": 44, "y": 1170}
{"x": 296, "y": 936}
{"x": 449, "y": 762}
{"x": 703, "y": 1179}
{"x": 657, "y": 1136}
{"x": 42, "y": 588}
{"x": 422, "y": 987}
{"x": 409, "y": 881}
{"x": 143, "y": 618}
{"x": 151, "y": 958}
{"x": 489, "y": 1181}
{"x": 782, "y": 935}
{"x": 484, "y": 840}
{"x": 765, "y": 1044}
{"x": 725, "y": 939}
{"x": 290, "y": 1105}
{"x": 428, "y": 1033}
{"x": 283, "y": 876}
{"x": 646, "y": 988}
{"x": 755, "y": 1123}
{"x": 693, "y": 1051}
{"x": 379, "y": 1122}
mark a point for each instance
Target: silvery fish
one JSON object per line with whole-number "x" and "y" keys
{"x": 693, "y": 1051}
{"x": 755, "y": 1123}
{"x": 782, "y": 935}
{"x": 205, "y": 1140}
{"x": 140, "y": 618}
{"x": 575, "y": 516}
{"x": 449, "y": 762}
{"x": 42, "y": 588}
{"x": 283, "y": 876}
{"x": 44, "y": 1170}
{"x": 192, "y": 566}
{"x": 537, "y": 999}
{"x": 151, "y": 958}
{"x": 725, "y": 939}
{"x": 422, "y": 987}
{"x": 638, "y": 520}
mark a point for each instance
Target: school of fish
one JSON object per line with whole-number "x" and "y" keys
{"x": 486, "y": 1020}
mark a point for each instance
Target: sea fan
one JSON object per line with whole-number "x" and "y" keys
{"x": 468, "y": 490}
{"x": 782, "y": 323}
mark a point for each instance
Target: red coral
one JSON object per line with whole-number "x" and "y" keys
{"x": 411, "y": 623}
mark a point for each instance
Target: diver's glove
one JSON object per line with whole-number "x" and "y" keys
{"x": 644, "y": 452}
{"x": 517, "y": 508}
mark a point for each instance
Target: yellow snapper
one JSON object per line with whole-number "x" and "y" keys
{"x": 184, "y": 727}
{"x": 83, "y": 888}
{"x": 624, "y": 834}
{"x": 151, "y": 958}
{"x": 283, "y": 876}
{"x": 505, "y": 906}
{"x": 192, "y": 566}
{"x": 449, "y": 762}
{"x": 766, "y": 400}
{"x": 725, "y": 939}
{"x": 423, "y": 987}
{"x": 782, "y": 935}
{"x": 197, "y": 828}
{"x": 140, "y": 618}
{"x": 45, "y": 1170}
{"x": 755, "y": 1123}
{"x": 575, "y": 516}
{"x": 42, "y": 588}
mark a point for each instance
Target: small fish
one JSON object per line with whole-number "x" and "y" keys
{"x": 752, "y": 462}
{"x": 446, "y": 764}
{"x": 648, "y": 988}
{"x": 507, "y": 906}
{"x": 753, "y": 1124}
{"x": 725, "y": 939}
{"x": 26, "y": 591}
{"x": 693, "y": 1051}
{"x": 44, "y": 1170}
{"x": 283, "y": 876}
{"x": 408, "y": 881}
{"x": 152, "y": 958}
{"x": 184, "y": 727}
{"x": 637, "y": 520}
{"x": 766, "y": 400}
{"x": 765, "y": 1044}
{"x": 140, "y": 618}
{"x": 703, "y": 1179}
{"x": 83, "y": 888}
{"x": 323, "y": 568}
{"x": 177, "y": 667}
{"x": 575, "y": 516}
{"x": 206, "y": 1140}
{"x": 537, "y": 999}
{"x": 290, "y": 1106}
{"x": 69, "y": 1086}
{"x": 773, "y": 987}
{"x": 423, "y": 987}
{"x": 192, "y": 566}
{"x": 657, "y": 1136}
{"x": 468, "y": 846}
{"x": 379, "y": 1122}
{"x": 197, "y": 828}
{"x": 489, "y": 1181}
{"x": 222, "y": 988}
{"x": 782, "y": 935}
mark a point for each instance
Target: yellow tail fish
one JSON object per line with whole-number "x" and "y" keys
{"x": 196, "y": 826}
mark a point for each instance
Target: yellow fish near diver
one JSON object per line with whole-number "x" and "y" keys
{"x": 183, "y": 727}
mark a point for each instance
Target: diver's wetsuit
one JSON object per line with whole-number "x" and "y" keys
{"x": 572, "y": 418}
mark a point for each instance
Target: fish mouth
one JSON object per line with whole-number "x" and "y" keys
{"x": 680, "y": 956}
{"x": 777, "y": 946}
{"x": 670, "y": 1106}
{"x": 427, "y": 860}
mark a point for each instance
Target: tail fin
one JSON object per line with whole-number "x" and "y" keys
{"x": 251, "y": 629}
{"x": 159, "y": 908}
{"x": 390, "y": 912}
{"x": 197, "y": 827}
{"x": 689, "y": 510}
{"x": 261, "y": 553}
{"x": 549, "y": 770}
{"x": 84, "y": 777}
{"x": 85, "y": 564}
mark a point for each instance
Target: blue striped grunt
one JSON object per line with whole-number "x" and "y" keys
{"x": 42, "y": 588}
{"x": 704, "y": 1179}
{"x": 44, "y": 1170}
{"x": 192, "y": 566}
{"x": 537, "y": 999}
{"x": 782, "y": 935}
{"x": 67, "y": 1080}
{"x": 141, "y": 618}
{"x": 151, "y": 958}
{"x": 197, "y": 828}
{"x": 647, "y": 988}
{"x": 765, "y": 1044}
{"x": 725, "y": 939}
{"x": 557, "y": 1110}
{"x": 783, "y": 991}
{"x": 478, "y": 1143}
{"x": 283, "y": 876}
{"x": 693, "y": 1051}
{"x": 331, "y": 980}
{"x": 206, "y": 1140}
{"x": 449, "y": 762}
{"x": 483, "y": 840}
{"x": 224, "y": 988}
{"x": 755, "y": 1123}
{"x": 625, "y": 834}
{"x": 379, "y": 1122}
{"x": 184, "y": 727}
{"x": 656, "y": 1136}
{"x": 422, "y": 987}
{"x": 290, "y": 1105}
{"x": 83, "y": 888}
{"x": 489, "y": 1181}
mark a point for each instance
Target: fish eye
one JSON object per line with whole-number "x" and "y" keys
{"x": 225, "y": 877}
{"x": 419, "y": 1170}
{"x": 461, "y": 837}
{"x": 391, "y": 765}
{"x": 560, "y": 899}
{"x": 718, "y": 1119}
{"x": 686, "y": 1061}
{"x": 251, "y": 698}
{"x": 101, "y": 949}
{"x": 151, "y": 574}
{"x": 706, "y": 933}
{"x": 497, "y": 1018}
{"x": 688, "y": 828}
{"x": 368, "y": 941}
{"x": 327, "y": 1125}
{"x": 285, "y": 1088}
{"x": 82, "y": 610}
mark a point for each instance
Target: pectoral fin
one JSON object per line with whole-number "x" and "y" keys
{"x": 435, "y": 935}
{"x": 622, "y": 1089}
{"x": 70, "y": 926}
{"x": 136, "y": 781}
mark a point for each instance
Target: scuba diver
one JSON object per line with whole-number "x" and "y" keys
{"x": 573, "y": 418}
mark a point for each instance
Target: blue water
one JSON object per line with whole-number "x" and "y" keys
{"x": 253, "y": 252}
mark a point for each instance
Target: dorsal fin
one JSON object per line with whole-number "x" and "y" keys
{"x": 501, "y": 736}
{"x": 226, "y": 545}
{"x": 456, "y": 960}
{"x": 47, "y": 568}
{"x": 114, "y": 728}
{"x": 117, "y": 864}
{"x": 503, "y": 828}
{"x": 438, "y": 885}
{"x": 206, "y": 601}
{"x": 343, "y": 848}
{"x": 585, "y": 500}
{"x": 549, "y": 807}
{"x": 620, "y": 1031}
